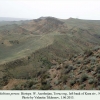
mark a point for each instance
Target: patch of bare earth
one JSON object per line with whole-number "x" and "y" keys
{"x": 12, "y": 83}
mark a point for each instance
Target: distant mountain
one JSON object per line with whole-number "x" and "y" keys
{"x": 11, "y": 19}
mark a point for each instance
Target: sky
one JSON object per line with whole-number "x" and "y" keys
{"x": 64, "y": 9}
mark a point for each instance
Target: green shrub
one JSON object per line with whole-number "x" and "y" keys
{"x": 80, "y": 72}
{"x": 45, "y": 87}
{"x": 65, "y": 87}
{"x": 30, "y": 84}
{"x": 86, "y": 61}
{"x": 75, "y": 56}
{"x": 67, "y": 70}
{"x": 95, "y": 81}
{"x": 57, "y": 82}
{"x": 79, "y": 62}
{"x": 92, "y": 63}
{"x": 93, "y": 73}
{"x": 66, "y": 66}
{"x": 74, "y": 68}
{"x": 89, "y": 69}
{"x": 96, "y": 48}
{"x": 92, "y": 66}
{"x": 82, "y": 86}
{"x": 88, "y": 53}
{"x": 98, "y": 75}
{"x": 78, "y": 81}
{"x": 46, "y": 62}
{"x": 98, "y": 69}
{"x": 72, "y": 82}
{"x": 34, "y": 87}
{"x": 83, "y": 67}
{"x": 17, "y": 87}
{"x": 26, "y": 86}
{"x": 92, "y": 59}
{"x": 84, "y": 77}
{"x": 64, "y": 78}
{"x": 71, "y": 75}
{"x": 4, "y": 80}
{"x": 90, "y": 81}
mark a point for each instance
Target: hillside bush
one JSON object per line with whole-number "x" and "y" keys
{"x": 65, "y": 87}
{"x": 82, "y": 86}
{"x": 91, "y": 81}
{"x": 88, "y": 53}
{"x": 79, "y": 61}
{"x": 92, "y": 59}
{"x": 96, "y": 48}
{"x": 64, "y": 78}
{"x": 57, "y": 82}
{"x": 84, "y": 77}
{"x": 72, "y": 82}
{"x": 98, "y": 69}
{"x": 89, "y": 69}
{"x": 98, "y": 75}
{"x": 74, "y": 68}
{"x": 45, "y": 87}
{"x": 86, "y": 61}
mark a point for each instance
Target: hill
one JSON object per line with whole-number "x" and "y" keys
{"x": 31, "y": 48}
{"x": 79, "y": 72}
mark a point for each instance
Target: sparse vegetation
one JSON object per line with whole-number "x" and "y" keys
{"x": 50, "y": 54}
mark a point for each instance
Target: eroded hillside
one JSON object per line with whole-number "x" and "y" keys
{"x": 32, "y": 48}
{"x": 80, "y": 71}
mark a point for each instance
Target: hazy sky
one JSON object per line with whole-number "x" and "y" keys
{"x": 83, "y": 9}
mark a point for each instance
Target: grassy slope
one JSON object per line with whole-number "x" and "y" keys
{"x": 27, "y": 45}
{"x": 79, "y": 36}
